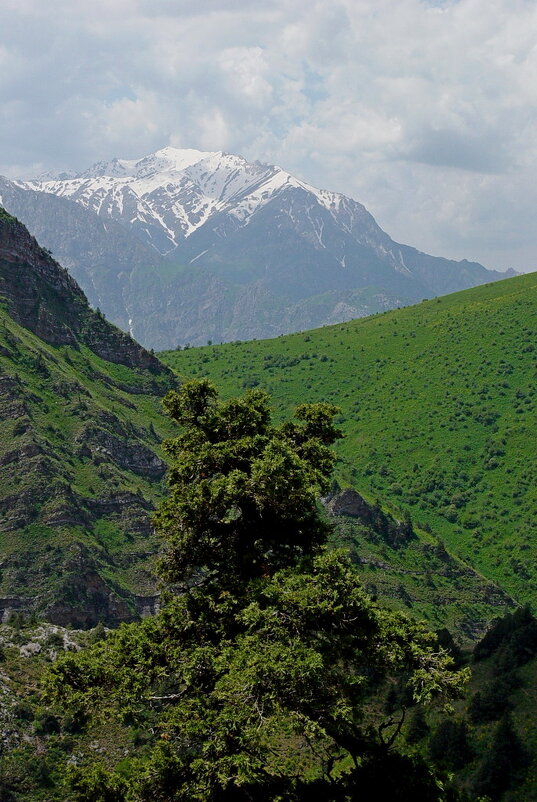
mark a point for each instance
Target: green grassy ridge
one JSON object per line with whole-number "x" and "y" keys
{"x": 66, "y": 390}
{"x": 62, "y": 541}
{"x": 437, "y": 407}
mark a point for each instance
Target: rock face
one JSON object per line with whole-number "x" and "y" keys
{"x": 412, "y": 571}
{"x": 183, "y": 246}
{"x": 350, "y": 503}
{"x": 80, "y": 457}
{"x": 43, "y": 297}
{"x": 101, "y": 444}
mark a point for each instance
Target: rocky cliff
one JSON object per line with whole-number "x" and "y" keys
{"x": 41, "y": 296}
{"x": 80, "y": 460}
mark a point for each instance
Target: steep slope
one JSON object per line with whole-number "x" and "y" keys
{"x": 99, "y": 254}
{"x": 80, "y": 463}
{"x": 81, "y": 469}
{"x": 251, "y": 250}
{"x": 439, "y": 411}
{"x": 410, "y": 569}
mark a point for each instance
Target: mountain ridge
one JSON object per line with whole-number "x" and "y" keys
{"x": 224, "y": 249}
{"x": 80, "y": 459}
{"x": 82, "y": 468}
{"x": 437, "y": 406}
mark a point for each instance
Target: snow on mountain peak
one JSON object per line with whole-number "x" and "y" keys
{"x": 169, "y": 194}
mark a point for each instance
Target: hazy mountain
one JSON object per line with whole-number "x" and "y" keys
{"x": 233, "y": 249}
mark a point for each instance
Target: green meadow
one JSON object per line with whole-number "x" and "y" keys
{"x": 438, "y": 409}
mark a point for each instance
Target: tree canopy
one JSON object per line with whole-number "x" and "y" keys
{"x": 259, "y": 673}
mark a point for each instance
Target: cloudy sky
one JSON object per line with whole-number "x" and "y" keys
{"x": 423, "y": 110}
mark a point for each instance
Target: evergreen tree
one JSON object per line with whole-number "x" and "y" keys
{"x": 449, "y": 747}
{"x": 502, "y": 766}
{"x": 417, "y": 726}
{"x": 258, "y": 666}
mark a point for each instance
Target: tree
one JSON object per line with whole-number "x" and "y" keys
{"x": 449, "y": 746}
{"x": 418, "y": 727}
{"x": 243, "y": 493}
{"x": 490, "y": 703}
{"x": 501, "y": 768}
{"x": 257, "y": 669}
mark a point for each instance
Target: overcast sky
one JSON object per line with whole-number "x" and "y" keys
{"x": 423, "y": 110}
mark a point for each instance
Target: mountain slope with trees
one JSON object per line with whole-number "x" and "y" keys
{"x": 81, "y": 469}
{"x": 257, "y": 675}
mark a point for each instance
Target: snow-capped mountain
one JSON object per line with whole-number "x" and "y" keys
{"x": 168, "y": 195}
{"x": 257, "y": 252}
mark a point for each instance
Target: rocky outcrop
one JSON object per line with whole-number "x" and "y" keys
{"x": 133, "y": 456}
{"x": 43, "y": 297}
{"x": 350, "y": 503}
{"x": 12, "y": 403}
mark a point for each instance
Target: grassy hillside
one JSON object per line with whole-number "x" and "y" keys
{"x": 80, "y": 472}
{"x": 438, "y": 410}
{"x": 411, "y": 571}
{"x": 81, "y": 468}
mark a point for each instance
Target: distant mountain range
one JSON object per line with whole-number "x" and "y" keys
{"x": 185, "y": 246}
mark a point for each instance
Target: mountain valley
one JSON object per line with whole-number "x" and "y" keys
{"x": 433, "y": 498}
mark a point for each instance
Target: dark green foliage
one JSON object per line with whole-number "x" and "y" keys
{"x": 493, "y": 701}
{"x": 98, "y": 633}
{"x": 503, "y": 763}
{"x": 257, "y": 676}
{"x": 449, "y": 746}
{"x": 55, "y": 641}
{"x": 396, "y": 778}
{"x": 418, "y": 727}
{"x": 24, "y": 711}
{"x": 46, "y": 723}
{"x": 243, "y": 493}
{"x": 446, "y": 641}
{"x": 22, "y": 770}
{"x": 96, "y": 784}
{"x": 513, "y": 639}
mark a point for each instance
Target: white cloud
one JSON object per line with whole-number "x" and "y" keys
{"x": 426, "y": 112}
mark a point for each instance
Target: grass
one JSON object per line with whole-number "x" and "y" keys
{"x": 438, "y": 408}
